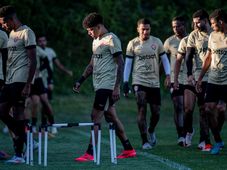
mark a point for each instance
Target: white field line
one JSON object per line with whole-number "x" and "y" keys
{"x": 165, "y": 161}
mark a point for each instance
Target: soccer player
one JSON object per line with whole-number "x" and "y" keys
{"x": 196, "y": 48}
{"x": 21, "y": 66}
{"x": 146, "y": 51}
{"x": 39, "y": 93}
{"x": 216, "y": 62}
{"x": 106, "y": 67}
{"x": 170, "y": 45}
{"x": 3, "y": 58}
{"x": 53, "y": 60}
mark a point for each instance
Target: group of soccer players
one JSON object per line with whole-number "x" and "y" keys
{"x": 26, "y": 77}
{"x": 195, "y": 66}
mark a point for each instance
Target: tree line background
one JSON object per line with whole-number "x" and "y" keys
{"x": 61, "y": 22}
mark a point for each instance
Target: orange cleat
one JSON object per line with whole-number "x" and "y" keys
{"x": 85, "y": 158}
{"x": 127, "y": 154}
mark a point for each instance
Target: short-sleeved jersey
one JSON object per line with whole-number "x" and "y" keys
{"x": 218, "y": 68}
{"x": 104, "y": 66}
{"x": 18, "y": 62}
{"x": 182, "y": 50}
{"x": 40, "y": 54}
{"x": 146, "y": 55}
{"x": 51, "y": 55}
{"x": 3, "y": 44}
{"x": 171, "y": 45}
{"x": 199, "y": 40}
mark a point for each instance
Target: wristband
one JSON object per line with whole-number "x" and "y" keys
{"x": 81, "y": 80}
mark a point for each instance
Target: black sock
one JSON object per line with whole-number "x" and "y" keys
{"x": 34, "y": 121}
{"x": 127, "y": 145}
{"x": 90, "y": 149}
{"x": 144, "y": 138}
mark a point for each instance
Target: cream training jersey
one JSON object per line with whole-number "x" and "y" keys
{"x": 218, "y": 68}
{"x": 182, "y": 50}
{"x": 146, "y": 56}
{"x": 3, "y": 44}
{"x": 171, "y": 45}
{"x": 18, "y": 62}
{"x": 104, "y": 66}
{"x": 40, "y": 54}
{"x": 199, "y": 40}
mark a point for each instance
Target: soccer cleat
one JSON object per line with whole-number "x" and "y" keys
{"x": 216, "y": 148}
{"x": 5, "y": 130}
{"x": 15, "y": 160}
{"x": 3, "y": 155}
{"x": 54, "y": 130}
{"x": 146, "y": 146}
{"x": 181, "y": 141}
{"x": 153, "y": 139}
{"x": 127, "y": 154}
{"x": 188, "y": 139}
{"x": 201, "y": 145}
{"x": 207, "y": 148}
{"x": 85, "y": 158}
{"x": 34, "y": 130}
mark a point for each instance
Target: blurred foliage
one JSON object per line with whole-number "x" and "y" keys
{"x": 60, "y": 21}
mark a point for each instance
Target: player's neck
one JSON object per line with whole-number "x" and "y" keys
{"x": 17, "y": 24}
{"x": 103, "y": 31}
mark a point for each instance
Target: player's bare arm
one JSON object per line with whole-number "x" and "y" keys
{"x": 120, "y": 66}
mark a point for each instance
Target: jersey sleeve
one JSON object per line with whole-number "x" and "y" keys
{"x": 191, "y": 40}
{"x": 115, "y": 45}
{"x": 29, "y": 38}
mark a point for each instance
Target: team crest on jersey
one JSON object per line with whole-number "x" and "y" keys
{"x": 153, "y": 46}
{"x": 16, "y": 39}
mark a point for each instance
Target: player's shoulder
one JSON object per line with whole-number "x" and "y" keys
{"x": 170, "y": 39}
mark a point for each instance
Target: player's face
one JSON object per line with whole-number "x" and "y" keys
{"x": 215, "y": 25}
{"x": 42, "y": 42}
{"x": 200, "y": 24}
{"x": 7, "y": 24}
{"x": 93, "y": 32}
{"x": 144, "y": 31}
{"x": 178, "y": 28}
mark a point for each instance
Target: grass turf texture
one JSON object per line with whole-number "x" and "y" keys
{"x": 72, "y": 142}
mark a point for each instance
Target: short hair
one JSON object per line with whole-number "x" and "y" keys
{"x": 180, "y": 18}
{"x": 143, "y": 21}
{"x": 201, "y": 13}
{"x": 92, "y": 20}
{"x": 7, "y": 11}
{"x": 219, "y": 14}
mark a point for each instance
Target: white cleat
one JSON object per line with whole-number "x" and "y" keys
{"x": 146, "y": 146}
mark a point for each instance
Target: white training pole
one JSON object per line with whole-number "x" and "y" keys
{"x": 40, "y": 147}
{"x": 99, "y": 146}
{"x": 28, "y": 145}
{"x": 111, "y": 143}
{"x": 114, "y": 145}
{"x": 31, "y": 147}
{"x": 93, "y": 143}
{"x": 45, "y": 146}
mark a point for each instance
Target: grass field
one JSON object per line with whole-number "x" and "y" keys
{"x": 72, "y": 142}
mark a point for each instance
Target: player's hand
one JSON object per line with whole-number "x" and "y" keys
{"x": 176, "y": 85}
{"x": 26, "y": 90}
{"x": 198, "y": 86}
{"x": 167, "y": 81}
{"x": 126, "y": 89}
{"x": 191, "y": 80}
{"x": 76, "y": 87}
{"x": 116, "y": 94}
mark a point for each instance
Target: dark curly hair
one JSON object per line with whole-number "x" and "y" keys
{"x": 92, "y": 19}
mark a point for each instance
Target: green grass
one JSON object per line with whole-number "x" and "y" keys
{"x": 72, "y": 142}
